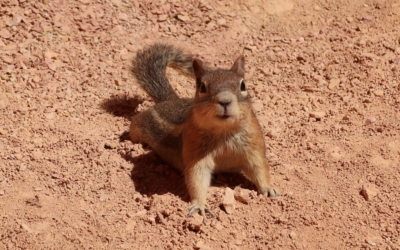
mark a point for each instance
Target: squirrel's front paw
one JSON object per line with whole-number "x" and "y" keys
{"x": 203, "y": 209}
{"x": 271, "y": 192}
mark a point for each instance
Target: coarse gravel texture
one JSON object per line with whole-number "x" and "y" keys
{"x": 324, "y": 80}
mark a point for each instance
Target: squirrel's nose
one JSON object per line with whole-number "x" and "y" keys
{"x": 224, "y": 103}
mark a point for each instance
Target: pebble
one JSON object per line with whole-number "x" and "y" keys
{"x": 368, "y": 18}
{"x": 26, "y": 227}
{"x": 140, "y": 213}
{"x": 195, "y": 222}
{"x": 201, "y": 246}
{"x": 4, "y": 33}
{"x": 183, "y": 18}
{"x": 50, "y": 116}
{"x": 218, "y": 226}
{"x": 369, "y": 192}
{"x": 370, "y": 120}
{"x": 123, "y": 16}
{"x": 378, "y": 92}
{"x": 162, "y": 18}
{"x": 3, "y": 101}
{"x": 151, "y": 219}
{"x": 103, "y": 198}
{"x": 221, "y": 22}
{"x": 317, "y": 114}
{"x": 228, "y": 201}
{"x": 242, "y": 197}
{"x": 292, "y": 235}
{"x": 333, "y": 83}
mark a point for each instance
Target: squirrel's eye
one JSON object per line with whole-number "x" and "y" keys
{"x": 203, "y": 88}
{"x": 242, "y": 86}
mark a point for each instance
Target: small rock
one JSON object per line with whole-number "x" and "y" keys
{"x": 3, "y": 101}
{"x": 140, "y": 213}
{"x": 397, "y": 59}
{"x": 221, "y": 22}
{"x": 26, "y": 227}
{"x": 195, "y": 222}
{"x": 218, "y": 226}
{"x": 162, "y": 18}
{"x": 317, "y": 114}
{"x": 229, "y": 201}
{"x": 369, "y": 192}
{"x": 37, "y": 155}
{"x": 137, "y": 197}
{"x": 183, "y": 18}
{"x": 266, "y": 71}
{"x": 103, "y": 198}
{"x": 2, "y": 192}
{"x": 131, "y": 224}
{"x": 333, "y": 83}
{"x": 367, "y": 100}
{"x": 4, "y": 33}
{"x": 7, "y": 59}
{"x": 276, "y": 49}
{"x": 123, "y": 16}
{"x": 110, "y": 145}
{"x": 151, "y": 219}
{"x": 242, "y": 197}
{"x": 116, "y": 2}
{"x": 50, "y": 54}
{"x": 370, "y": 120}
{"x": 50, "y": 116}
{"x": 368, "y": 18}
{"x": 201, "y": 246}
{"x": 292, "y": 235}
{"x": 276, "y": 71}
{"x": 378, "y": 92}
{"x": 22, "y": 167}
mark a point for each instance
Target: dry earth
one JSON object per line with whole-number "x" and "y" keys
{"x": 324, "y": 77}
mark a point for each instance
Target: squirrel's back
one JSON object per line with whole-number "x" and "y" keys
{"x": 149, "y": 68}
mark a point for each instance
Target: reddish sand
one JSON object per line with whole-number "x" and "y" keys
{"x": 324, "y": 78}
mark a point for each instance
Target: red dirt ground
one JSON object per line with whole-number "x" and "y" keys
{"x": 324, "y": 77}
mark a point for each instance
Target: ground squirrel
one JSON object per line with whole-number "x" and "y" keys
{"x": 216, "y": 131}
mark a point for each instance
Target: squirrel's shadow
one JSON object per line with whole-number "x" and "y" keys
{"x": 121, "y": 106}
{"x": 150, "y": 175}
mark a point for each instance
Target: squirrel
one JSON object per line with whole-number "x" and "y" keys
{"x": 216, "y": 131}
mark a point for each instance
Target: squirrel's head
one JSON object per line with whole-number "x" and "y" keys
{"x": 221, "y": 99}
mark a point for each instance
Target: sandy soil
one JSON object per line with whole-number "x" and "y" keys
{"x": 324, "y": 77}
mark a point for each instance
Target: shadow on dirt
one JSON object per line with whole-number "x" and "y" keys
{"x": 121, "y": 106}
{"x": 151, "y": 175}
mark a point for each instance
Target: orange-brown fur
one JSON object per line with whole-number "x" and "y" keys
{"x": 216, "y": 131}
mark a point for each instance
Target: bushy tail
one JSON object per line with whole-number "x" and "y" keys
{"x": 149, "y": 68}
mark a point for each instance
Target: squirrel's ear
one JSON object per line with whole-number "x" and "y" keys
{"x": 238, "y": 66}
{"x": 198, "y": 69}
